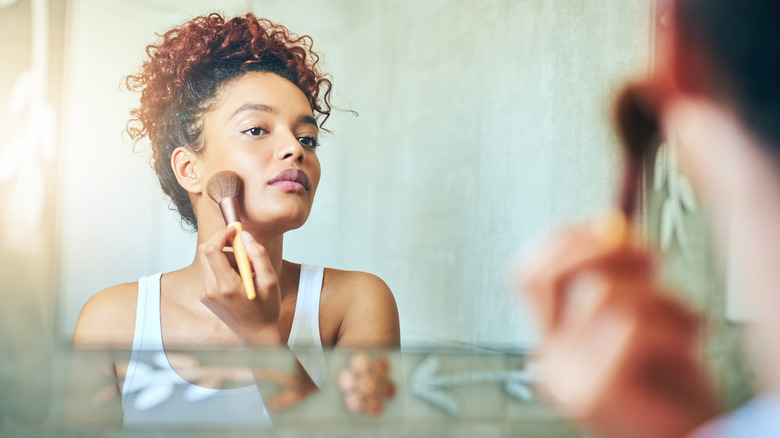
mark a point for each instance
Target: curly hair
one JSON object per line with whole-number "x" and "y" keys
{"x": 180, "y": 79}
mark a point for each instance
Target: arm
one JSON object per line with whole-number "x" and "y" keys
{"x": 107, "y": 320}
{"x": 371, "y": 316}
{"x": 101, "y": 343}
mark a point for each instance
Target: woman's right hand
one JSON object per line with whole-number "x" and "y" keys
{"x": 255, "y": 321}
{"x": 618, "y": 353}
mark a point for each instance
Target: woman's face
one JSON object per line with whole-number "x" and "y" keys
{"x": 262, "y": 128}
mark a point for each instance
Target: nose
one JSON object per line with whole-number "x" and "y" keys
{"x": 290, "y": 149}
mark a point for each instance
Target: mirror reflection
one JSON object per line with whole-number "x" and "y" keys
{"x": 477, "y": 130}
{"x": 459, "y": 132}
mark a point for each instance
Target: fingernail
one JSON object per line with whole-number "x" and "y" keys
{"x": 246, "y": 237}
{"x": 612, "y": 229}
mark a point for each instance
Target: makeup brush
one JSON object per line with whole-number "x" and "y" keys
{"x": 638, "y": 128}
{"x": 224, "y": 188}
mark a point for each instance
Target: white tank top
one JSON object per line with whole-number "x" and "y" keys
{"x": 153, "y": 394}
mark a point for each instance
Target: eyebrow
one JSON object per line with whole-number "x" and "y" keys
{"x": 255, "y": 107}
{"x": 271, "y": 110}
{"x": 308, "y": 119}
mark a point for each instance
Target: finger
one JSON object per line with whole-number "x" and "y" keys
{"x": 219, "y": 276}
{"x": 570, "y": 250}
{"x": 545, "y": 279}
{"x": 266, "y": 281}
{"x": 603, "y": 336}
{"x": 598, "y": 314}
{"x": 660, "y": 363}
{"x": 638, "y": 350}
{"x": 670, "y": 315}
{"x": 639, "y": 331}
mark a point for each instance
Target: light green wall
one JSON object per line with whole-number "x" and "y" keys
{"x": 482, "y": 125}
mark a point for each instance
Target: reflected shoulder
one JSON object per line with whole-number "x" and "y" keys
{"x": 108, "y": 318}
{"x": 369, "y": 315}
{"x": 357, "y": 287}
{"x": 354, "y": 281}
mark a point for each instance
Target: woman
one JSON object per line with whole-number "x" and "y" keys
{"x": 244, "y": 95}
{"x": 622, "y": 362}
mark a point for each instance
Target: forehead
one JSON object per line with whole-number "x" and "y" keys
{"x": 261, "y": 88}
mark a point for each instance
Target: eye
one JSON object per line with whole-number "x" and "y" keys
{"x": 311, "y": 142}
{"x": 255, "y": 131}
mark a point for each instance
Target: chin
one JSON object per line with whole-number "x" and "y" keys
{"x": 278, "y": 223}
{"x": 293, "y": 223}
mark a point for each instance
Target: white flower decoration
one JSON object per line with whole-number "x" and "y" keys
{"x": 680, "y": 199}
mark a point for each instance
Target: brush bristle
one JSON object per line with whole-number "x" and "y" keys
{"x": 224, "y": 184}
{"x": 636, "y": 122}
{"x": 638, "y": 127}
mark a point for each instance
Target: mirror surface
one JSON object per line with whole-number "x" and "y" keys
{"x": 481, "y": 125}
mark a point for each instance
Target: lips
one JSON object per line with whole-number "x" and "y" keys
{"x": 291, "y": 178}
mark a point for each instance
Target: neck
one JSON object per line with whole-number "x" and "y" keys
{"x": 273, "y": 245}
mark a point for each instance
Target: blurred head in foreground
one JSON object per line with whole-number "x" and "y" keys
{"x": 718, "y": 97}
{"x": 715, "y": 98}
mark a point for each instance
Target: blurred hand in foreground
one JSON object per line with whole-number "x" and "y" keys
{"x": 619, "y": 354}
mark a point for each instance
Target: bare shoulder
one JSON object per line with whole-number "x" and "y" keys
{"x": 366, "y": 309}
{"x": 108, "y": 318}
{"x": 355, "y": 281}
{"x": 356, "y": 289}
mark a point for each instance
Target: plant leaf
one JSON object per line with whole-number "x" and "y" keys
{"x": 687, "y": 196}
{"x": 660, "y": 170}
{"x": 667, "y": 224}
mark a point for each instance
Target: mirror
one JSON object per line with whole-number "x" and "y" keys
{"x": 479, "y": 127}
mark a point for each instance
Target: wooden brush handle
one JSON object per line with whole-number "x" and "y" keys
{"x": 242, "y": 260}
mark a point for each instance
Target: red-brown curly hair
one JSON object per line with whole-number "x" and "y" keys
{"x": 184, "y": 70}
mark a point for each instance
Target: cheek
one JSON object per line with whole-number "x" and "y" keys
{"x": 695, "y": 150}
{"x": 252, "y": 166}
{"x": 316, "y": 172}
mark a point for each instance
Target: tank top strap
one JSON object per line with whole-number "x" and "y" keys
{"x": 305, "y": 331}
{"x": 305, "y": 340}
{"x": 148, "y": 329}
{"x": 147, "y": 335}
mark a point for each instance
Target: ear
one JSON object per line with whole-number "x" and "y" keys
{"x": 185, "y": 163}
